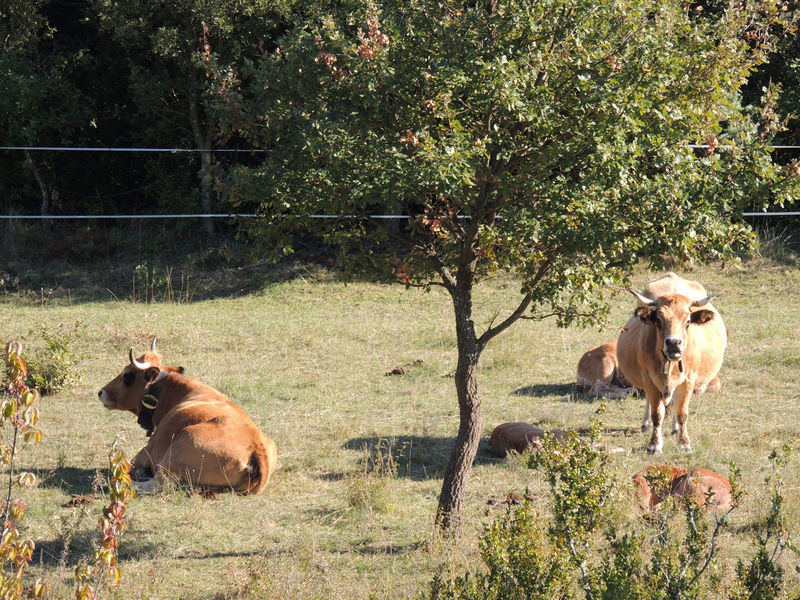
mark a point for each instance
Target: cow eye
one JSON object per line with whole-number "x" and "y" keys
{"x": 659, "y": 322}
{"x": 128, "y": 378}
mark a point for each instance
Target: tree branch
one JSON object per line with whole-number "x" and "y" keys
{"x": 492, "y": 332}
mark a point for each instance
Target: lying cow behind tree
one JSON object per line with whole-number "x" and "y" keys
{"x": 519, "y": 437}
{"x": 671, "y": 346}
{"x": 196, "y": 433}
{"x": 599, "y": 374}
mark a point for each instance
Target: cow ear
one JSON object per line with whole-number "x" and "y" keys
{"x": 701, "y": 316}
{"x": 151, "y": 373}
{"x": 645, "y": 313}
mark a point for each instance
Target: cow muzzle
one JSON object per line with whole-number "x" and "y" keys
{"x": 673, "y": 348}
{"x": 105, "y": 399}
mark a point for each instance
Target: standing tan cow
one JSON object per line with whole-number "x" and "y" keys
{"x": 673, "y": 345}
{"x": 196, "y": 433}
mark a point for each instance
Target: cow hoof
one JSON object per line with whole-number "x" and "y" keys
{"x": 654, "y": 450}
{"x": 146, "y": 486}
{"x": 141, "y": 473}
{"x": 686, "y": 448}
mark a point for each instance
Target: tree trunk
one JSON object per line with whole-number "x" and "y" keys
{"x": 45, "y": 192}
{"x": 451, "y": 498}
{"x": 205, "y": 189}
{"x": 202, "y": 134}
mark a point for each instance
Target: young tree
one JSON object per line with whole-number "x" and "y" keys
{"x": 544, "y": 137}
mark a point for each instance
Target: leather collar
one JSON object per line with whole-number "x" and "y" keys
{"x": 150, "y": 402}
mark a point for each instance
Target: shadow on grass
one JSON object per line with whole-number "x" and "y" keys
{"x": 74, "y": 480}
{"x": 69, "y": 551}
{"x": 418, "y": 458}
{"x": 388, "y": 549}
{"x": 152, "y": 263}
{"x": 568, "y": 392}
{"x": 540, "y": 390}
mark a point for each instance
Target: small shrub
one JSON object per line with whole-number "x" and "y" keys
{"x": 54, "y": 366}
{"x": 523, "y": 561}
{"x": 779, "y": 245}
{"x": 369, "y": 494}
{"x": 762, "y": 577}
{"x": 146, "y": 278}
{"x": 20, "y": 413}
{"x": 368, "y": 489}
{"x": 91, "y": 579}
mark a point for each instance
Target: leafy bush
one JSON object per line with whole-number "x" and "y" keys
{"x": 580, "y": 546}
{"x": 53, "y": 367}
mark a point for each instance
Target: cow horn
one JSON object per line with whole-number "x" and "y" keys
{"x": 643, "y": 300}
{"x": 153, "y": 345}
{"x": 139, "y": 365}
{"x": 706, "y": 300}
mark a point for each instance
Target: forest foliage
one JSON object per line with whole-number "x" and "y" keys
{"x": 104, "y": 73}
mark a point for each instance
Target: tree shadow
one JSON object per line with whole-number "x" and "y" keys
{"x": 419, "y": 458}
{"x": 150, "y": 265}
{"x": 541, "y": 390}
{"x": 567, "y": 392}
{"x": 71, "y": 549}
{"x": 74, "y": 480}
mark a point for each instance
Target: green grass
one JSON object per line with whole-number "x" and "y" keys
{"x": 349, "y": 513}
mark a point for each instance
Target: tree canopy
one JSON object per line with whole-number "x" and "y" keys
{"x": 560, "y": 129}
{"x": 550, "y": 138}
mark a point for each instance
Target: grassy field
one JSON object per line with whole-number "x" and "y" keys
{"x": 349, "y": 513}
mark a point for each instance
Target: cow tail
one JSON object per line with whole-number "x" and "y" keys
{"x": 263, "y": 460}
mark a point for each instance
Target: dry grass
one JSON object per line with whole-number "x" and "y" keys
{"x": 349, "y": 513}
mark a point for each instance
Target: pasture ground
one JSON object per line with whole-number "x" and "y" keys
{"x": 349, "y": 513}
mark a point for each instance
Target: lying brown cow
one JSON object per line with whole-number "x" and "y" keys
{"x": 519, "y": 437}
{"x": 196, "y": 433}
{"x": 599, "y": 373}
{"x": 684, "y": 483}
{"x": 673, "y": 345}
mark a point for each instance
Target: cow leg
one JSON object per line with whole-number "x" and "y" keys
{"x": 142, "y": 462}
{"x": 682, "y": 415}
{"x": 667, "y": 410}
{"x": 656, "y": 406}
{"x": 143, "y": 472}
{"x": 670, "y": 411}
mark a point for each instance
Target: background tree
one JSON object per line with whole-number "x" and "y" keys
{"x": 548, "y": 138}
{"x": 39, "y": 104}
{"x": 174, "y": 51}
